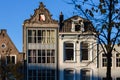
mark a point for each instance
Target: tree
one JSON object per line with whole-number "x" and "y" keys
{"x": 11, "y": 71}
{"x": 105, "y": 16}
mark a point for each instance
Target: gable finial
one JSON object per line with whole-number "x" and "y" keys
{"x": 41, "y": 5}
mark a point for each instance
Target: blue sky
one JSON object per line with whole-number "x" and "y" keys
{"x": 14, "y": 12}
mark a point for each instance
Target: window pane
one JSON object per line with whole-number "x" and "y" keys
{"x": 43, "y": 36}
{"x": 34, "y": 36}
{"x": 29, "y": 39}
{"x": 77, "y": 27}
{"x": 104, "y": 60}
{"x": 84, "y": 51}
{"x": 52, "y": 59}
{"x": 69, "y": 51}
{"x": 69, "y": 74}
{"x": 8, "y": 59}
{"x": 84, "y": 54}
{"x": 117, "y": 60}
{"x": 32, "y": 56}
{"x": 13, "y": 59}
{"x": 85, "y": 74}
{"x": 118, "y": 78}
{"x": 39, "y": 34}
{"x": 69, "y": 54}
{"x": 29, "y": 72}
{"x": 69, "y": 45}
{"x": 29, "y": 32}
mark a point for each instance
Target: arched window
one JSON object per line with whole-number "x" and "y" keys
{"x": 86, "y": 74}
{"x": 69, "y": 74}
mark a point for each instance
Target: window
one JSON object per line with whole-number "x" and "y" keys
{"x": 41, "y": 74}
{"x": 104, "y": 79}
{"x": 69, "y": 51}
{"x": 41, "y": 56}
{"x": 41, "y": 36}
{"x": 31, "y": 36}
{"x": 46, "y": 74}
{"x": 117, "y": 60}
{"x": 31, "y": 74}
{"x": 31, "y": 56}
{"x": 84, "y": 51}
{"x": 10, "y": 59}
{"x": 118, "y": 78}
{"x": 104, "y": 60}
{"x": 77, "y": 27}
{"x": 46, "y": 56}
{"x": 85, "y": 74}
{"x": 69, "y": 74}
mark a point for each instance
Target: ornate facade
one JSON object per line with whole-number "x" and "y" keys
{"x": 64, "y": 50}
{"x": 41, "y": 45}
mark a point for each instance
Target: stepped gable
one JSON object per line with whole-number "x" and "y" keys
{"x": 41, "y": 16}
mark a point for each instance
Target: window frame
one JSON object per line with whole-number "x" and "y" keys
{"x": 64, "y": 52}
{"x": 11, "y": 59}
{"x": 77, "y": 22}
{"x": 106, "y": 60}
{"x": 117, "y": 78}
{"x": 90, "y": 73}
{"x": 42, "y": 36}
{"x": 73, "y": 74}
{"x": 117, "y": 57}
{"x": 89, "y": 51}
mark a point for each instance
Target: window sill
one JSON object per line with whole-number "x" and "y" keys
{"x": 69, "y": 61}
{"x": 85, "y": 61}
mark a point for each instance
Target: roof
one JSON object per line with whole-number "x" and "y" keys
{"x": 67, "y": 24}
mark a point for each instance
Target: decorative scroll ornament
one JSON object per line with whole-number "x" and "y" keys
{"x": 41, "y": 15}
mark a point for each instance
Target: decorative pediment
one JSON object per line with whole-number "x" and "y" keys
{"x": 41, "y": 15}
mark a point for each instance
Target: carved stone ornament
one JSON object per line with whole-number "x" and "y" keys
{"x": 41, "y": 15}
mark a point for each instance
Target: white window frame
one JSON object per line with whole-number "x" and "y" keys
{"x": 64, "y": 54}
{"x": 90, "y": 56}
{"x": 74, "y": 73}
{"x": 10, "y": 58}
{"x": 76, "y": 22}
{"x": 102, "y": 60}
{"x": 116, "y": 60}
{"x": 106, "y": 64}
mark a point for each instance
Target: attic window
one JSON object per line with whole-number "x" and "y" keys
{"x": 77, "y": 27}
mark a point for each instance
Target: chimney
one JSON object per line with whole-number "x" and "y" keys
{"x": 3, "y": 31}
{"x": 61, "y": 18}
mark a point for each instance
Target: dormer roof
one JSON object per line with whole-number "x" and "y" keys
{"x": 70, "y": 23}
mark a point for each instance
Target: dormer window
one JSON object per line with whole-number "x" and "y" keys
{"x": 77, "y": 25}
